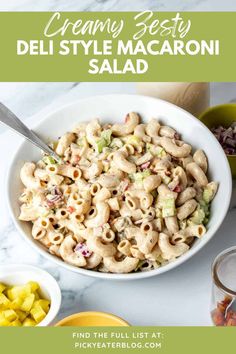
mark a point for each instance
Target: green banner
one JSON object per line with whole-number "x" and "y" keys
{"x": 117, "y": 46}
{"x": 166, "y": 340}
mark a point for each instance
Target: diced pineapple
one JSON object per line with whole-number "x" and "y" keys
{"x": 33, "y": 285}
{"x": 29, "y": 322}
{"x": 37, "y": 297}
{"x": 22, "y": 305}
{"x": 44, "y": 304}
{"x": 16, "y": 304}
{"x": 38, "y": 314}
{"x": 2, "y": 287}
{"x": 3, "y": 321}
{"x": 28, "y": 303}
{"x": 21, "y": 315}
{"x": 4, "y": 302}
{"x": 10, "y": 315}
{"x": 19, "y": 291}
{"x": 16, "y": 323}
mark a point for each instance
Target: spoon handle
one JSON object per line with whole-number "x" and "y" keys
{"x": 10, "y": 119}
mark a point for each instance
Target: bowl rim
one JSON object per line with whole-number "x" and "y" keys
{"x": 217, "y": 106}
{"x": 112, "y": 276}
{"x": 56, "y": 293}
{"x": 82, "y": 314}
{"x": 214, "y": 270}
{"x": 212, "y": 109}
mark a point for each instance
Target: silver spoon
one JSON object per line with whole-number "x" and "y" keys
{"x": 10, "y": 119}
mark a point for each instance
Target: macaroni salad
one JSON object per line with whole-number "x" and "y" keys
{"x": 125, "y": 197}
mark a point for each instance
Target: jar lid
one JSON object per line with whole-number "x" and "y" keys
{"x": 224, "y": 271}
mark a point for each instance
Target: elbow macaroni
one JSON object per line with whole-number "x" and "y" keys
{"x": 125, "y": 197}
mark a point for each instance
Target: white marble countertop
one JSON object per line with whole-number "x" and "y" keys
{"x": 144, "y": 302}
{"x": 117, "y": 5}
{"x": 179, "y": 297}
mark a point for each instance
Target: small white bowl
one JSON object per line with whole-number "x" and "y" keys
{"x": 113, "y": 109}
{"x": 20, "y": 274}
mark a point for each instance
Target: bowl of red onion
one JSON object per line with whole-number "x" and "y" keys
{"x": 221, "y": 120}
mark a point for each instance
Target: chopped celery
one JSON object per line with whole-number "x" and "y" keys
{"x": 205, "y": 206}
{"x": 139, "y": 176}
{"x": 49, "y": 160}
{"x": 156, "y": 150}
{"x": 209, "y": 192}
{"x": 133, "y": 140}
{"x": 116, "y": 143}
{"x": 106, "y": 134}
{"x": 197, "y": 217}
{"x": 168, "y": 207}
{"x": 101, "y": 143}
{"x": 161, "y": 153}
{"x": 201, "y": 214}
{"x": 104, "y": 140}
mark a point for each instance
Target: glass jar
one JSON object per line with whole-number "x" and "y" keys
{"x": 223, "y": 306}
{"x": 191, "y": 96}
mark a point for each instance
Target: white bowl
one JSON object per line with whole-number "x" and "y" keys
{"x": 113, "y": 108}
{"x": 20, "y": 274}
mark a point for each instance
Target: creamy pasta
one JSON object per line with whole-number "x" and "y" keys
{"x": 124, "y": 198}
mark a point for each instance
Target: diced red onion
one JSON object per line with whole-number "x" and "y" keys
{"x": 145, "y": 165}
{"x": 177, "y": 189}
{"x": 226, "y": 137}
{"x": 83, "y": 249}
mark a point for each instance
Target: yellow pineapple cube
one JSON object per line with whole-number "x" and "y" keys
{"x": 4, "y": 302}
{"x": 3, "y": 321}
{"x": 29, "y": 322}
{"x": 21, "y": 315}
{"x": 44, "y": 304}
{"x": 16, "y": 304}
{"x": 38, "y": 314}
{"x": 28, "y": 303}
{"x": 16, "y": 323}
{"x": 18, "y": 291}
{"x": 37, "y": 297}
{"x": 10, "y": 315}
{"x": 33, "y": 285}
{"x": 2, "y": 287}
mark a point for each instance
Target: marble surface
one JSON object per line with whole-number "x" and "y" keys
{"x": 117, "y": 5}
{"x": 179, "y": 297}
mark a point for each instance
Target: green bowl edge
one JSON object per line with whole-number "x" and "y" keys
{"x": 204, "y": 116}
